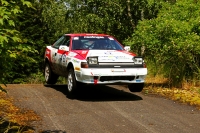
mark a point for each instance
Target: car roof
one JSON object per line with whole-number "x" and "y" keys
{"x": 85, "y": 34}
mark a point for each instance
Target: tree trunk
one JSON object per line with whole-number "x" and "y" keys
{"x": 130, "y": 15}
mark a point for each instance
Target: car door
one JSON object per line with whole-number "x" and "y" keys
{"x": 55, "y": 58}
{"x": 63, "y": 52}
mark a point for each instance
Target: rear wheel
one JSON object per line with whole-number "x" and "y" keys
{"x": 50, "y": 77}
{"x": 136, "y": 87}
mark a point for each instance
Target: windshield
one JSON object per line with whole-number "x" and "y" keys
{"x": 95, "y": 43}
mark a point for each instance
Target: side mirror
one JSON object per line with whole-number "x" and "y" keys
{"x": 127, "y": 48}
{"x": 65, "y": 48}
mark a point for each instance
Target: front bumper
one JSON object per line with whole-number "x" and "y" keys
{"x": 111, "y": 75}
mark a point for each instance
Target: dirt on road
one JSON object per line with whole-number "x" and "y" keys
{"x": 104, "y": 109}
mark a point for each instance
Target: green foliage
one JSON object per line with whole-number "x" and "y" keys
{"x": 12, "y": 45}
{"x": 35, "y": 78}
{"x": 171, "y": 40}
{"x": 28, "y": 26}
{"x": 53, "y": 19}
{"x": 115, "y": 17}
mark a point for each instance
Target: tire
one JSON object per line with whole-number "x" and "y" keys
{"x": 50, "y": 77}
{"x": 72, "y": 85}
{"x": 136, "y": 87}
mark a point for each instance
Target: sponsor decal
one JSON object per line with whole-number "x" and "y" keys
{"x": 107, "y": 59}
{"x": 75, "y": 61}
{"x": 84, "y": 52}
{"x": 108, "y": 53}
{"x": 123, "y": 57}
{"x": 113, "y": 58}
{"x": 62, "y": 48}
{"x": 93, "y": 37}
{"x": 118, "y": 70}
{"x": 96, "y": 72}
{"x": 138, "y": 80}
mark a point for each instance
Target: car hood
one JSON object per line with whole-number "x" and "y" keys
{"x": 107, "y": 55}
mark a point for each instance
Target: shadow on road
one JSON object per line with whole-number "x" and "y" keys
{"x": 55, "y": 131}
{"x": 98, "y": 93}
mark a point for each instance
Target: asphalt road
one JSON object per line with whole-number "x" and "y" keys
{"x": 104, "y": 109}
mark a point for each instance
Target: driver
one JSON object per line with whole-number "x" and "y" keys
{"x": 104, "y": 45}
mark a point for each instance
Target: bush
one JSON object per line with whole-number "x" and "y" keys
{"x": 171, "y": 41}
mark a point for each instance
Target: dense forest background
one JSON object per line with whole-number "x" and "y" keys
{"x": 165, "y": 32}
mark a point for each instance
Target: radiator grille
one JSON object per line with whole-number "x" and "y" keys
{"x": 116, "y": 65}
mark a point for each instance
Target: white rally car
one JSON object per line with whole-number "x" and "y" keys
{"x": 93, "y": 59}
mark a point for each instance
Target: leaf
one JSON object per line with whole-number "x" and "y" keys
{"x": 4, "y": 2}
{"x": 15, "y": 10}
{"x": 15, "y": 127}
{"x": 16, "y": 39}
{"x": 27, "y": 3}
{"x": 2, "y": 89}
{"x": 11, "y": 23}
{"x": 1, "y": 21}
{"x": 3, "y": 39}
{"x": 13, "y": 55}
{"x": 6, "y": 17}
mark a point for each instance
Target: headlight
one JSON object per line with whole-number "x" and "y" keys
{"x": 138, "y": 60}
{"x": 93, "y": 60}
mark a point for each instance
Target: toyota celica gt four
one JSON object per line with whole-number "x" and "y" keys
{"x": 93, "y": 59}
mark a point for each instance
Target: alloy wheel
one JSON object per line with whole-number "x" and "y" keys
{"x": 70, "y": 82}
{"x": 46, "y": 73}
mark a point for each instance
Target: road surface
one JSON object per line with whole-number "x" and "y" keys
{"x": 104, "y": 109}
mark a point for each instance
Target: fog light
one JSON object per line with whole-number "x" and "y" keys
{"x": 84, "y": 65}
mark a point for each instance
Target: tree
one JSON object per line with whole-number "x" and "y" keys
{"x": 11, "y": 42}
{"x": 53, "y": 19}
{"x": 26, "y": 31}
{"x": 39, "y": 26}
{"x": 117, "y": 17}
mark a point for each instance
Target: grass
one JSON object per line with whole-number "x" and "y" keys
{"x": 189, "y": 93}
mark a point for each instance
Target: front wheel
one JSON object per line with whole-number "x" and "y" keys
{"x": 50, "y": 77}
{"x": 72, "y": 83}
{"x": 136, "y": 87}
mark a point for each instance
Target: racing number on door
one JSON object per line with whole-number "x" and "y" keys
{"x": 63, "y": 58}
